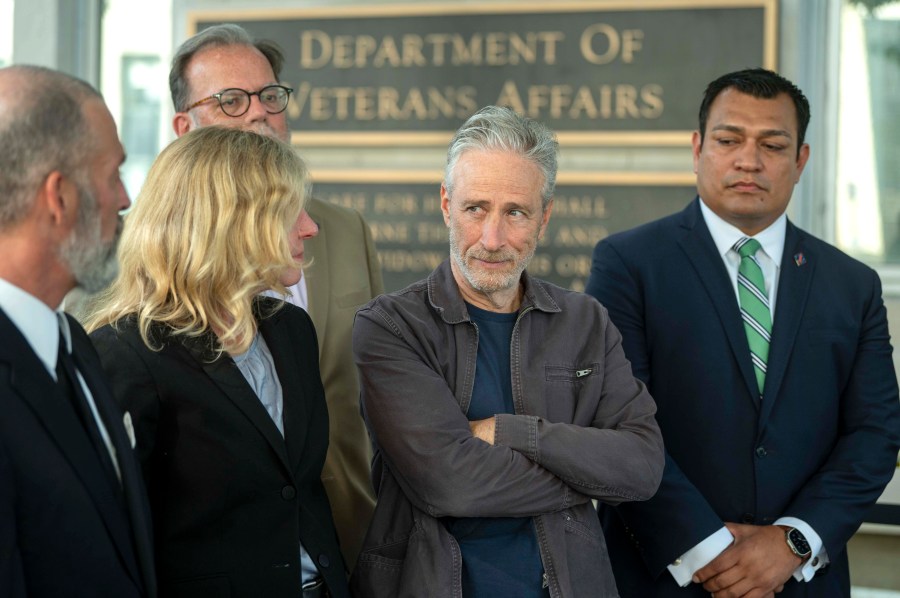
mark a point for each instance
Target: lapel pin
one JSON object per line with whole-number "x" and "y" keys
{"x": 799, "y": 259}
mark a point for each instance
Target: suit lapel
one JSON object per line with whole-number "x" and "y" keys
{"x": 793, "y": 289}
{"x": 233, "y": 385}
{"x": 295, "y": 412}
{"x": 31, "y": 381}
{"x": 700, "y": 249}
{"x": 132, "y": 481}
{"x": 317, "y": 276}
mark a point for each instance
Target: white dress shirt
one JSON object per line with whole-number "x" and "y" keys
{"x": 769, "y": 256}
{"x": 41, "y": 327}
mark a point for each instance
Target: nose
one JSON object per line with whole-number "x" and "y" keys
{"x": 256, "y": 111}
{"x": 748, "y": 157}
{"x": 493, "y": 235}
{"x": 306, "y": 226}
{"x": 124, "y": 201}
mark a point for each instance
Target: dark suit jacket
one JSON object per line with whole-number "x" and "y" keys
{"x": 820, "y": 446}
{"x": 344, "y": 276}
{"x": 231, "y": 498}
{"x": 63, "y": 529}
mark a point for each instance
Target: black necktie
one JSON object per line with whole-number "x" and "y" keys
{"x": 71, "y": 388}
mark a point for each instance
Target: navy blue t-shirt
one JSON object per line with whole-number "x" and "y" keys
{"x": 500, "y": 554}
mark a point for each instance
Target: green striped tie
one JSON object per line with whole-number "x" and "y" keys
{"x": 754, "y": 307}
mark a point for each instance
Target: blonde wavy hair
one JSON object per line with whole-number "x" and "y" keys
{"x": 208, "y": 233}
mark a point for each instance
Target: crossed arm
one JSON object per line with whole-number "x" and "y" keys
{"x": 532, "y": 467}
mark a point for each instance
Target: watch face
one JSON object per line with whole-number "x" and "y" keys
{"x": 797, "y": 542}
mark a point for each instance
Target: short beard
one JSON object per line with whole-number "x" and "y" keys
{"x": 92, "y": 262}
{"x": 486, "y": 282}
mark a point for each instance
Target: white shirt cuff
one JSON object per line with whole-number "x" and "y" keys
{"x": 817, "y": 559}
{"x": 699, "y": 556}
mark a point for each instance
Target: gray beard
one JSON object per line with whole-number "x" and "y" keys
{"x": 486, "y": 283}
{"x": 92, "y": 262}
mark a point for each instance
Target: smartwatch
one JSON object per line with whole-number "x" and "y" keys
{"x": 796, "y": 541}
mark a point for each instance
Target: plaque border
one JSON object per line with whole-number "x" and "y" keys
{"x": 670, "y": 138}
{"x": 618, "y": 178}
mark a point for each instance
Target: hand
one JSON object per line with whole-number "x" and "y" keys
{"x": 758, "y": 563}
{"x": 483, "y": 429}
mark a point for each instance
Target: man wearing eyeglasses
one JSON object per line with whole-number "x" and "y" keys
{"x": 221, "y": 76}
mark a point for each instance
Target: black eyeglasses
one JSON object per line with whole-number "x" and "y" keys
{"x": 236, "y": 101}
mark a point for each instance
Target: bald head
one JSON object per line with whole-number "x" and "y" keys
{"x": 42, "y": 129}
{"x": 60, "y": 190}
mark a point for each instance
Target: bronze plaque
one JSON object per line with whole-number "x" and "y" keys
{"x": 595, "y": 72}
{"x": 409, "y": 230}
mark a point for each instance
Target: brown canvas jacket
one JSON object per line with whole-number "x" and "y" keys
{"x": 584, "y": 429}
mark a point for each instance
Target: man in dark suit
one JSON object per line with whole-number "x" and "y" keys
{"x": 767, "y": 351}
{"x": 73, "y": 512}
{"x": 343, "y": 272}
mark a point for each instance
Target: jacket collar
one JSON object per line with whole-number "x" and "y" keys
{"x": 35, "y": 321}
{"x": 698, "y": 246}
{"x": 797, "y": 267}
{"x": 226, "y": 375}
{"x": 26, "y": 375}
{"x": 794, "y": 286}
{"x": 445, "y": 298}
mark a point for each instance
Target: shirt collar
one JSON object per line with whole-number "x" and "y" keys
{"x": 444, "y": 295}
{"x": 39, "y": 324}
{"x": 725, "y": 235}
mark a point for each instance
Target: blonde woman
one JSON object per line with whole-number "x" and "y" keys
{"x": 222, "y": 385}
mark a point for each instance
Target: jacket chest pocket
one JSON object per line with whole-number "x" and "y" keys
{"x": 571, "y": 374}
{"x": 564, "y": 388}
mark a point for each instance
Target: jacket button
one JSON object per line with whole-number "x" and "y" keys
{"x": 324, "y": 561}
{"x": 288, "y": 493}
{"x": 747, "y": 518}
{"x": 761, "y": 452}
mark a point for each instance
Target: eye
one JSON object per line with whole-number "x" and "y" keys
{"x": 726, "y": 141}
{"x": 231, "y": 99}
{"x": 775, "y": 147}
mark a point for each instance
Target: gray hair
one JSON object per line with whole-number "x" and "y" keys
{"x": 500, "y": 128}
{"x": 42, "y": 129}
{"x": 216, "y": 36}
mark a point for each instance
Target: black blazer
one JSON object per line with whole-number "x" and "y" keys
{"x": 231, "y": 499}
{"x": 63, "y": 530}
{"x": 820, "y": 446}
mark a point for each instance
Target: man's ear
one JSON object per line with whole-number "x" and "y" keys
{"x": 181, "y": 123}
{"x": 802, "y": 158}
{"x": 59, "y": 198}
{"x": 696, "y": 146}
{"x": 445, "y": 204}
{"x": 545, "y": 218}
